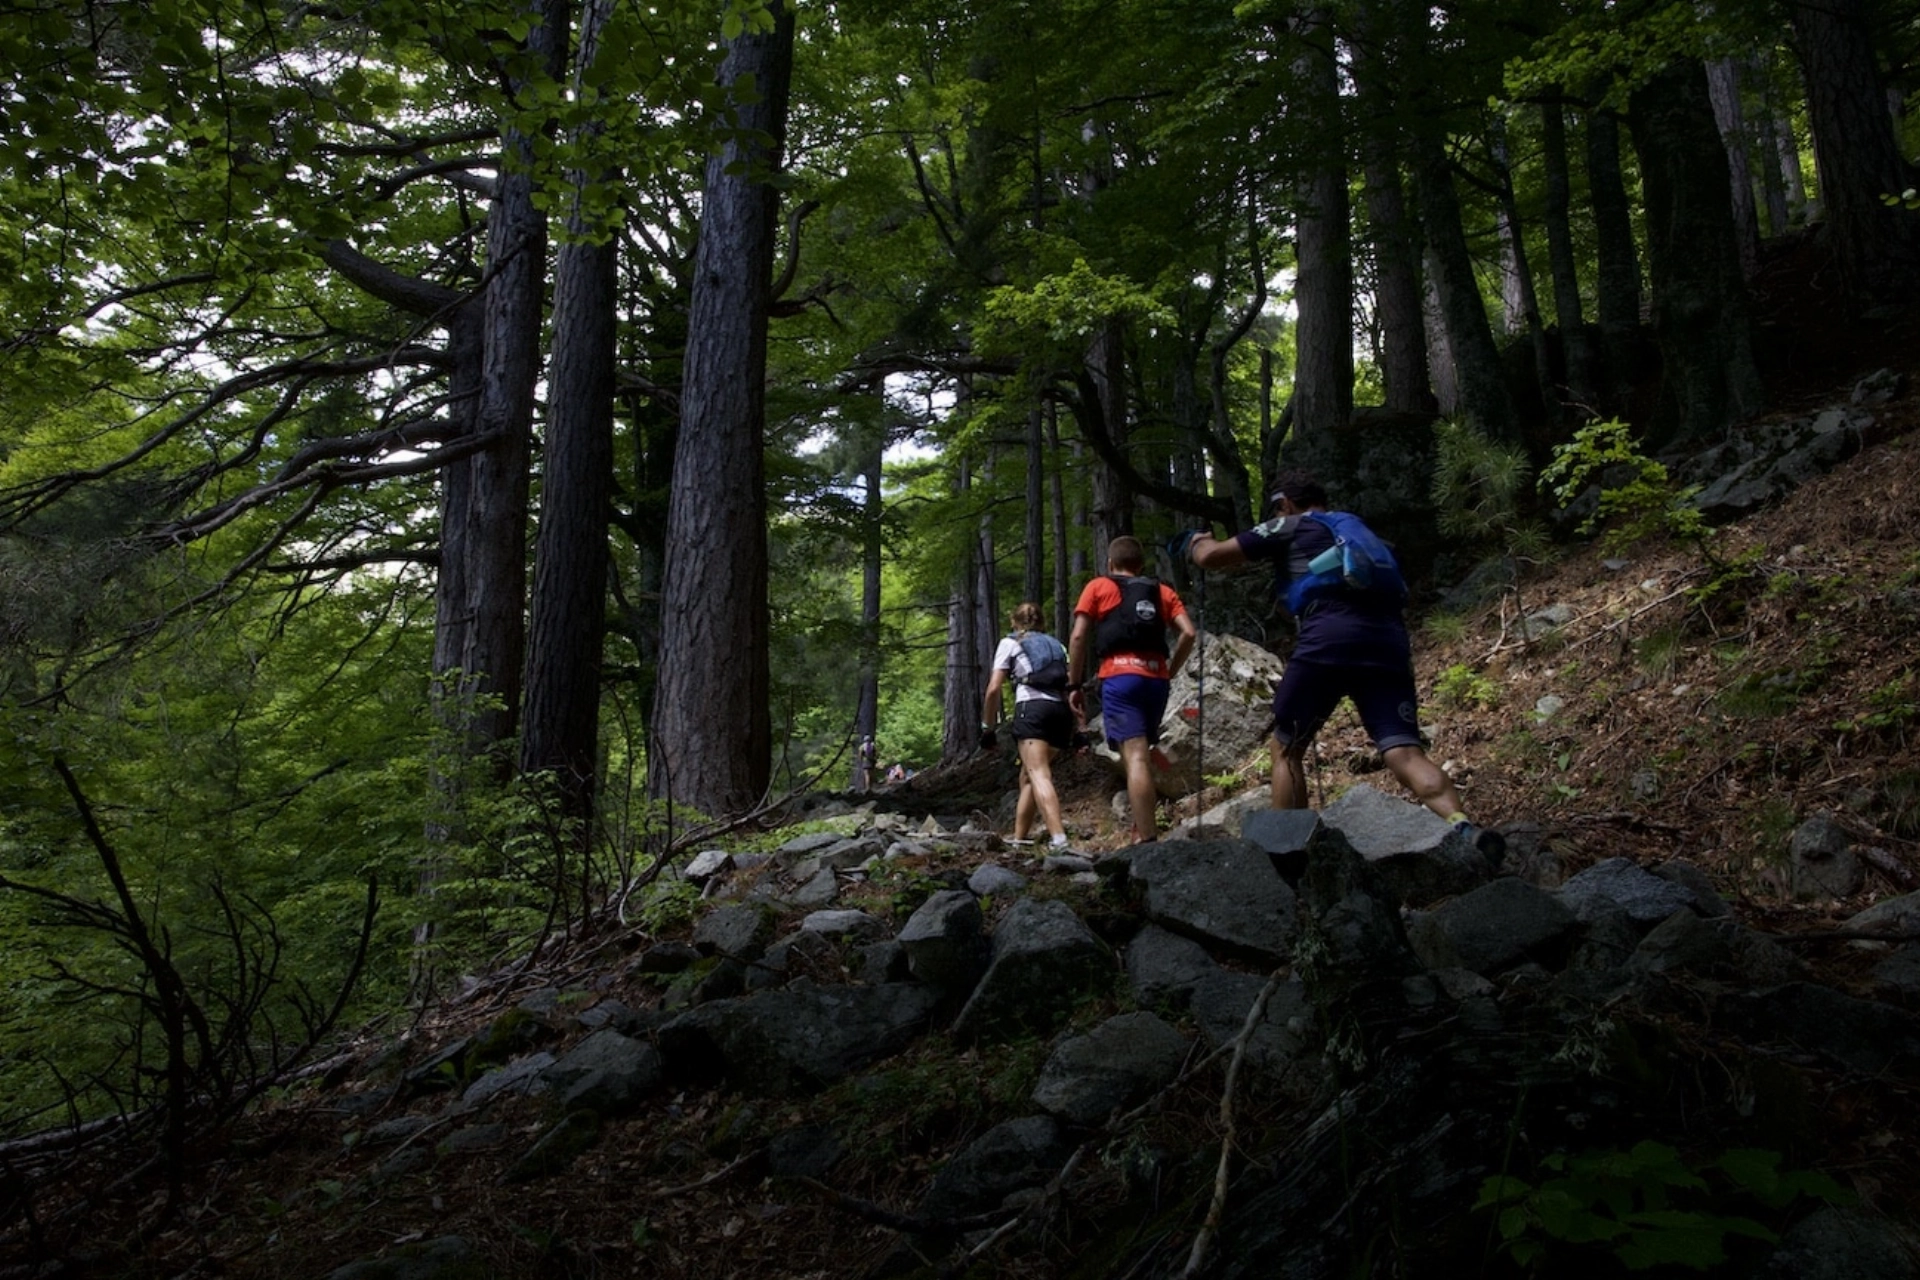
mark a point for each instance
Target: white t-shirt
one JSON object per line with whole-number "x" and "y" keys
{"x": 1012, "y": 659}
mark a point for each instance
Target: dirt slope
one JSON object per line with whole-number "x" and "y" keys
{"x": 1704, "y": 727}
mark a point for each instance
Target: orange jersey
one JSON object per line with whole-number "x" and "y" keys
{"x": 1099, "y": 599}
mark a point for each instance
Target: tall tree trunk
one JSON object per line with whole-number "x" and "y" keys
{"x": 1877, "y": 246}
{"x": 1440, "y": 364}
{"x": 1700, "y": 311}
{"x": 1396, "y": 290}
{"x": 1057, "y": 509}
{"x": 1723, "y": 83}
{"x": 1483, "y": 398}
{"x": 1768, "y": 126}
{"x": 964, "y": 689}
{"x": 495, "y": 587}
{"x": 1582, "y": 389}
{"x": 1034, "y": 581}
{"x": 1617, "y": 262}
{"x": 866, "y": 717}
{"x": 1394, "y": 240}
{"x": 1323, "y": 288}
{"x": 1112, "y": 502}
{"x": 567, "y": 615}
{"x": 1519, "y": 275}
{"x": 712, "y": 736}
{"x": 986, "y": 561}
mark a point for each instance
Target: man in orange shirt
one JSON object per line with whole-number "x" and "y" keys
{"x": 1125, "y": 617}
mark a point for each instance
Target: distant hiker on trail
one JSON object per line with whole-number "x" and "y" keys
{"x": 1124, "y": 617}
{"x": 1043, "y": 724}
{"x": 1345, "y": 591}
{"x": 869, "y": 757}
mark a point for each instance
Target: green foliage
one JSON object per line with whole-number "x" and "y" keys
{"x": 1061, "y": 310}
{"x": 1894, "y": 705}
{"x": 1461, "y": 686}
{"x": 1477, "y": 489}
{"x": 1444, "y": 628}
{"x": 1647, "y": 1207}
{"x": 1637, "y": 498}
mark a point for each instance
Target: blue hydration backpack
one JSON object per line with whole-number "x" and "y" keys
{"x": 1046, "y": 662}
{"x": 1358, "y": 566}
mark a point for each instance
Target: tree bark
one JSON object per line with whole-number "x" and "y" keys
{"x": 1877, "y": 246}
{"x": 1483, "y": 399}
{"x": 712, "y": 734}
{"x": 1522, "y": 299}
{"x": 866, "y": 718}
{"x": 1768, "y": 127}
{"x": 567, "y": 615}
{"x": 494, "y": 591}
{"x": 965, "y": 685}
{"x": 1033, "y": 583}
{"x": 1057, "y": 511}
{"x": 1112, "y": 501}
{"x": 1396, "y": 290}
{"x": 1617, "y": 291}
{"x": 1582, "y": 390}
{"x": 1700, "y": 309}
{"x": 1723, "y": 83}
{"x": 1323, "y": 288}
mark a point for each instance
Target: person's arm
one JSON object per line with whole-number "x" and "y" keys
{"x": 1077, "y": 665}
{"x": 1210, "y": 552}
{"x": 1183, "y": 646}
{"x": 990, "y": 707}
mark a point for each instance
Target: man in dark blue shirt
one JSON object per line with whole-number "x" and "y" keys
{"x": 1351, "y": 644}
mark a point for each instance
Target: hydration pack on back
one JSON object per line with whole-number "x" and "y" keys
{"x": 1134, "y": 625}
{"x": 1358, "y": 566}
{"x": 1046, "y": 662}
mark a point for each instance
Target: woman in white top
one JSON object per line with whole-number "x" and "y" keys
{"x": 1043, "y": 723}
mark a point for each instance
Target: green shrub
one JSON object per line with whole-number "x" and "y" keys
{"x": 1647, "y": 1206}
{"x": 1638, "y": 498}
{"x": 1461, "y": 686}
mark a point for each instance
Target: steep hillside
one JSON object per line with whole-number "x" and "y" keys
{"x": 1683, "y": 708}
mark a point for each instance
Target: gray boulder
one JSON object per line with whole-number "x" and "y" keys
{"x": 795, "y": 1039}
{"x": 1044, "y": 961}
{"x": 1619, "y": 884}
{"x": 741, "y": 932}
{"x": 1222, "y": 892}
{"x": 1843, "y": 1244}
{"x": 1492, "y": 928}
{"x": 1282, "y": 1037}
{"x": 946, "y": 941}
{"x": 1419, "y": 856}
{"x": 607, "y": 1073}
{"x": 1165, "y": 968}
{"x": 1118, "y": 1063}
{"x": 1007, "y": 1158}
{"x": 1898, "y": 918}
{"x": 1821, "y": 860}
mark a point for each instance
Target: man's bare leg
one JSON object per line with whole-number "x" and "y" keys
{"x": 1428, "y": 782}
{"x": 1289, "y": 775}
{"x": 1141, "y": 794}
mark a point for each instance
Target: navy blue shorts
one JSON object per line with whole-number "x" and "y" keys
{"x": 1384, "y": 696}
{"x": 1132, "y": 707}
{"x": 1047, "y": 719}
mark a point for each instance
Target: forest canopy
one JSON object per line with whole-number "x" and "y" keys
{"x": 453, "y": 458}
